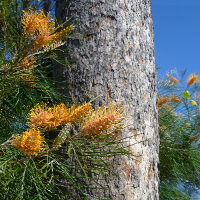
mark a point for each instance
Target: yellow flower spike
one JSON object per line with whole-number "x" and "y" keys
{"x": 38, "y": 115}
{"x": 175, "y": 99}
{"x": 173, "y": 79}
{"x": 43, "y": 117}
{"x": 59, "y": 36}
{"x": 41, "y": 29}
{"x": 61, "y": 114}
{"x": 80, "y": 112}
{"x": 35, "y": 23}
{"x": 193, "y": 138}
{"x": 163, "y": 100}
{"x": 163, "y": 128}
{"x": 102, "y": 120}
{"x": 192, "y": 79}
{"x": 38, "y": 27}
{"x": 31, "y": 142}
{"x": 49, "y": 118}
{"x": 192, "y": 102}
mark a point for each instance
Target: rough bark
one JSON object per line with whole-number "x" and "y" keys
{"x": 116, "y": 61}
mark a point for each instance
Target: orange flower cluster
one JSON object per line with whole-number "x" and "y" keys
{"x": 164, "y": 99}
{"x": 192, "y": 79}
{"x": 193, "y": 138}
{"x": 163, "y": 128}
{"x": 49, "y": 118}
{"x": 40, "y": 27}
{"x": 175, "y": 99}
{"x": 173, "y": 79}
{"x": 101, "y": 120}
{"x": 31, "y": 142}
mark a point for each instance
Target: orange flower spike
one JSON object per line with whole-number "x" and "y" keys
{"x": 34, "y": 22}
{"x": 38, "y": 26}
{"x": 102, "y": 119}
{"x": 42, "y": 116}
{"x": 57, "y": 37}
{"x": 193, "y": 138}
{"x": 80, "y": 112}
{"x": 61, "y": 114}
{"x": 173, "y": 79}
{"x": 163, "y": 100}
{"x": 175, "y": 99}
{"x": 29, "y": 22}
{"x": 192, "y": 79}
{"x": 38, "y": 115}
{"x": 163, "y": 128}
{"x": 31, "y": 142}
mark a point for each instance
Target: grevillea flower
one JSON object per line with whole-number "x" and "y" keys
{"x": 163, "y": 128}
{"x": 102, "y": 120}
{"x": 192, "y": 79}
{"x": 59, "y": 36}
{"x": 163, "y": 100}
{"x": 41, "y": 29}
{"x": 79, "y": 112}
{"x": 175, "y": 99}
{"x": 193, "y": 138}
{"x": 173, "y": 79}
{"x": 35, "y": 23}
{"x": 42, "y": 116}
{"x": 50, "y": 118}
{"x": 38, "y": 26}
{"x": 31, "y": 142}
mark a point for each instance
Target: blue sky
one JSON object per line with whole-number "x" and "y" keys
{"x": 177, "y": 35}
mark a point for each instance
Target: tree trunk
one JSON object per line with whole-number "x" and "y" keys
{"x": 116, "y": 62}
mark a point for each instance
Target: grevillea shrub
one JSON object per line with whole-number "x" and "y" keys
{"x": 179, "y": 120}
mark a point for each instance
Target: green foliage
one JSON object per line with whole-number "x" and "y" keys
{"x": 17, "y": 96}
{"x": 61, "y": 173}
{"x": 36, "y": 160}
{"x": 170, "y": 191}
{"x": 179, "y": 138}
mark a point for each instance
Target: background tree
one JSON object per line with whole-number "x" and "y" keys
{"x": 116, "y": 62}
{"x": 178, "y": 105}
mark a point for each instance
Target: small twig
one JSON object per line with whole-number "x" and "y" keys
{"x": 7, "y": 142}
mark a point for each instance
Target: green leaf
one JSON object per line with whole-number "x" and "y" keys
{"x": 186, "y": 94}
{"x": 193, "y": 102}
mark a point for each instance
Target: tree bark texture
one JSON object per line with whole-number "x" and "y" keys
{"x": 116, "y": 61}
